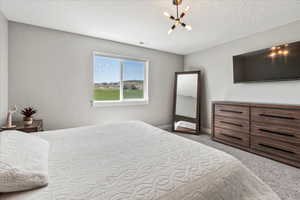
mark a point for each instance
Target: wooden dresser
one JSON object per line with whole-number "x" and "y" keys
{"x": 269, "y": 130}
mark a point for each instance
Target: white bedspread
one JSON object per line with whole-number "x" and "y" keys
{"x": 135, "y": 161}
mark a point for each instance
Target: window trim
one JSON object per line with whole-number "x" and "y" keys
{"x": 123, "y": 102}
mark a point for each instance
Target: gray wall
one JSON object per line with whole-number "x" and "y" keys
{"x": 52, "y": 70}
{"x": 216, "y": 64}
{"x": 3, "y": 68}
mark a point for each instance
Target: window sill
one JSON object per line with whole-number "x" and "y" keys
{"x": 119, "y": 103}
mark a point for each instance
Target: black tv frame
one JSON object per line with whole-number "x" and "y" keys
{"x": 261, "y": 51}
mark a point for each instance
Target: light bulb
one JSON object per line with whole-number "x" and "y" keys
{"x": 280, "y": 52}
{"x": 273, "y": 54}
{"x": 188, "y": 27}
{"x": 171, "y": 29}
{"x": 285, "y": 52}
{"x": 187, "y": 8}
{"x": 167, "y": 14}
{"x": 273, "y": 48}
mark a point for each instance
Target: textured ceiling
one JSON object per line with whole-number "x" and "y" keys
{"x": 130, "y": 21}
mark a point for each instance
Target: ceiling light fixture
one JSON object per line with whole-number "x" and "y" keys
{"x": 178, "y": 18}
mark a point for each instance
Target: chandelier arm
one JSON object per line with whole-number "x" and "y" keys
{"x": 182, "y": 15}
{"x": 172, "y": 18}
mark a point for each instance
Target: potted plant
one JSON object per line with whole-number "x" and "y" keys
{"x": 28, "y": 112}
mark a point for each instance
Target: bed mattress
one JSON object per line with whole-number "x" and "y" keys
{"x": 136, "y": 161}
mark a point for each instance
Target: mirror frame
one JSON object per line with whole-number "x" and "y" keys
{"x": 196, "y": 120}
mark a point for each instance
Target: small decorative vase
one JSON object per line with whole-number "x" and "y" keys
{"x": 28, "y": 121}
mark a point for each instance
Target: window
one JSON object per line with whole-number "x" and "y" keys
{"x": 119, "y": 80}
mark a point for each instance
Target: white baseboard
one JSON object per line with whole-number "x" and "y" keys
{"x": 169, "y": 126}
{"x": 206, "y": 130}
{"x": 165, "y": 126}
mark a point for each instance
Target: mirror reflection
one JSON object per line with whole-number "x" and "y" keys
{"x": 186, "y": 98}
{"x": 185, "y": 126}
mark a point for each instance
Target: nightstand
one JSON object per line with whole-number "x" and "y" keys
{"x": 36, "y": 126}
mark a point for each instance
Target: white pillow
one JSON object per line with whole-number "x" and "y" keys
{"x": 23, "y": 161}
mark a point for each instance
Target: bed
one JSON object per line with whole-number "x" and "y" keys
{"x": 136, "y": 161}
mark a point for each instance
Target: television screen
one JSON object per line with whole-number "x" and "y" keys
{"x": 273, "y": 64}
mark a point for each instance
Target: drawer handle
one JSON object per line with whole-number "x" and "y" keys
{"x": 278, "y": 149}
{"x": 232, "y": 111}
{"x": 278, "y": 133}
{"x": 234, "y": 124}
{"x": 230, "y": 136}
{"x": 279, "y": 117}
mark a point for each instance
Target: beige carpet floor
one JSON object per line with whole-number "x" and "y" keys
{"x": 283, "y": 179}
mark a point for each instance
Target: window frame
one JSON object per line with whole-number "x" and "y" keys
{"x": 122, "y": 101}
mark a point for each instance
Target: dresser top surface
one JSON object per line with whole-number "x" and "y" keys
{"x": 260, "y": 105}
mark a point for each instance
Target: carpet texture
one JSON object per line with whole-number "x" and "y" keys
{"x": 283, "y": 179}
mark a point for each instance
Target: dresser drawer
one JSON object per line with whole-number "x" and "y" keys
{"x": 231, "y": 123}
{"x": 234, "y": 137}
{"x": 278, "y": 132}
{"x": 240, "y": 112}
{"x": 276, "y": 116}
{"x": 276, "y": 148}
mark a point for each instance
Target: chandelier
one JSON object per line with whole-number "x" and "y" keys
{"x": 178, "y": 19}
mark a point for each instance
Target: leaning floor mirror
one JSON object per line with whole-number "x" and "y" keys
{"x": 186, "y": 110}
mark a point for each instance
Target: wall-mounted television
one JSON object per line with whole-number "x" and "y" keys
{"x": 278, "y": 63}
